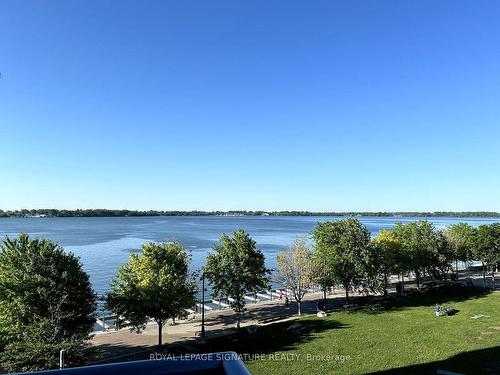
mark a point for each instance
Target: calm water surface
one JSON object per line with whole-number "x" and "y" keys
{"x": 103, "y": 244}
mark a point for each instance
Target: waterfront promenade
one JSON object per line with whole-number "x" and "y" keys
{"x": 121, "y": 345}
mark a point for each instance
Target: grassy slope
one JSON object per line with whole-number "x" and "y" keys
{"x": 402, "y": 336}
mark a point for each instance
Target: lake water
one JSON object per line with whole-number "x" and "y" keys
{"x": 103, "y": 244}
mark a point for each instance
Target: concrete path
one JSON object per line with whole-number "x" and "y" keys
{"x": 116, "y": 345}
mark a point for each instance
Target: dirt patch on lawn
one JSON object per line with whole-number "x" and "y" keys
{"x": 484, "y": 334}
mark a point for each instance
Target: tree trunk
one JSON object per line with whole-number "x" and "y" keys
{"x": 346, "y": 295}
{"x": 402, "y": 283}
{"x": 299, "y": 307}
{"x": 456, "y": 267}
{"x": 417, "y": 278}
{"x": 239, "y": 308}
{"x": 160, "y": 329}
{"x": 324, "y": 295}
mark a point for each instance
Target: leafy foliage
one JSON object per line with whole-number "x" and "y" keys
{"x": 46, "y": 301}
{"x": 461, "y": 238}
{"x": 154, "y": 285}
{"x": 296, "y": 270}
{"x": 420, "y": 244}
{"x": 35, "y": 348}
{"x": 440, "y": 264}
{"x": 389, "y": 255}
{"x": 342, "y": 245}
{"x": 324, "y": 260}
{"x": 236, "y": 267}
{"x": 487, "y": 246}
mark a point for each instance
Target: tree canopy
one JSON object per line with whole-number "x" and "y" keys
{"x": 420, "y": 245}
{"x": 487, "y": 246}
{"x": 155, "y": 284}
{"x": 341, "y": 244}
{"x": 391, "y": 259}
{"x": 296, "y": 270}
{"x": 236, "y": 267}
{"x": 46, "y": 304}
{"x": 461, "y": 238}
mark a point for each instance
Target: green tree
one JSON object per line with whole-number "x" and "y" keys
{"x": 441, "y": 258}
{"x": 236, "y": 267}
{"x": 487, "y": 247}
{"x": 390, "y": 254}
{"x": 46, "y": 304}
{"x": 370, "y": 268}
{"x": 323, "y": 265}
{"x": 461, "y": 239}
{"x": 37, "y": 348}
{"x": 420, "y": 245}
{"x": 296, "y": 270}
{"x": 156, "y": 284}
{"x": 342, "y": 244}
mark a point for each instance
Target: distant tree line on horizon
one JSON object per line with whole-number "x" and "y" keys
{"x": 124, "y": 213}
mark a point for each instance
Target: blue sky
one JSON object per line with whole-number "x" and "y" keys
{"x": 274, "y": 105}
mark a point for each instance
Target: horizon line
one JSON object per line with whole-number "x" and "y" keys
{"x": 152, "y": 212}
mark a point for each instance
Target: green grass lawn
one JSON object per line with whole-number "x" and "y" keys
{"x": 405, "y": 337}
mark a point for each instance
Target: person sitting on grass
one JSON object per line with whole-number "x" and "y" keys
{"x": 320, "y": 309}
{"x": 446, "y": 310}
{"x": 438, "y": 310}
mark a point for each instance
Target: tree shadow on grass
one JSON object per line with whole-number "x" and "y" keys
{"x": 444, "y": 294}
{"x": 268, "y": 339}
{"x": 439, "y": 295}
{"x": 483, "y": 361}
{"x": 275, "y": 337}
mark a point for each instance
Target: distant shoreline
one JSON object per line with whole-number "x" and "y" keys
{"x": 37, "y": 213}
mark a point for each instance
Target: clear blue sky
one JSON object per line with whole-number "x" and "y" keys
{"x": 310, "y": 105}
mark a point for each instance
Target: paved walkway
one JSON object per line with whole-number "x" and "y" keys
{"x": 121, "y": 344}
